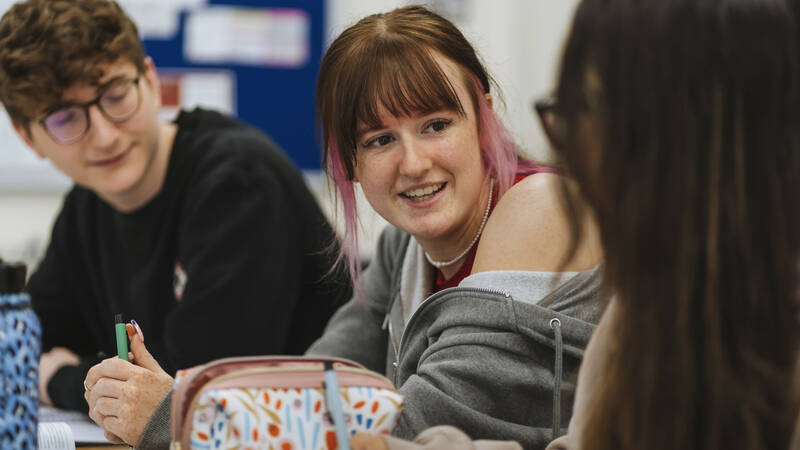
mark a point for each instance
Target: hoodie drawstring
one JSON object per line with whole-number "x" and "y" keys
{"x": 555, "y": 324}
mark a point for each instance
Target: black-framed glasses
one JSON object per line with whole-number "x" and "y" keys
{"x": 117, "y": 101}
{"x": 552, "y": 121}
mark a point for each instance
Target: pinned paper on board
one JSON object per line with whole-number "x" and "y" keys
{"x": 159, "y": 19}
{"x": 271, "y": 37}
{"x": 155, "y": 19}
{"x": 187, "y": 88}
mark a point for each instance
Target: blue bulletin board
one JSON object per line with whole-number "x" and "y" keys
{"x": 272, "y": 90}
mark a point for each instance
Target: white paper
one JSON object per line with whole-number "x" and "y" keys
{"x": 82, "y": 429}
{"x": 277, "y": 37}
{"x": 158, "y": 19}
{"x": 155, "y": 19}
{"x": 190, "y": 88}
{"x": 55, "y": 436}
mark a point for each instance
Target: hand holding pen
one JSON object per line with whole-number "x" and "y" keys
{"x": 122, "y": 395}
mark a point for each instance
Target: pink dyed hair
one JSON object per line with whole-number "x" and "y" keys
{"x": 500, "y": 158}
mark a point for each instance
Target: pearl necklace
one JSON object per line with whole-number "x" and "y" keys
{"x": 440, "y": 264}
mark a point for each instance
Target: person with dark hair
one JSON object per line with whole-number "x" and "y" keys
{"x": 694, "y": 111}
{"x": 202, "y": 230}
{"x": 406, "y": 113}
{"x": 680, "y": 121}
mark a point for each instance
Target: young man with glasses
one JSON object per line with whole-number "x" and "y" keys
{"x": 201, "y": 230}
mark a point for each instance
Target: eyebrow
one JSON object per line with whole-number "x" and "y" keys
{"x": 112, "y": 80}
{"x": 421, "y": 113}
{"x": 362, "y": 131}
{"x": 99, "y": 91}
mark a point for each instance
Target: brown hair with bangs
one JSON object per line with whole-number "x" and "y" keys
{"x": 388, "y": 60}
{"x": 405, "y": 80}
{"x": 46, "y": 46}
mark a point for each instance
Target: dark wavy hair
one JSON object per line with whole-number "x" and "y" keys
{"x": 46, "y": 46}
{"x": 693, "y": 110}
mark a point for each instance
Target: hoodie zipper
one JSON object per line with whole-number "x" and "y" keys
{"x": 415, "y": 314}
{"x": 387, "y": 324}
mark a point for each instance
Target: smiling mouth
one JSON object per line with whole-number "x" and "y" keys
{"x": 110, "y": 161}
{"x": 423, "y": 193}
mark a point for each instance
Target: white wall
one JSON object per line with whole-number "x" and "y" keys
{"x": 25, "y": 221}
{"x": 520, "y": 41}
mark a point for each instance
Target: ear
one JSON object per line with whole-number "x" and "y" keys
{"x": 152, "y": 78}
{"x": 26, "y": 136}
{"x": 489, "y": 99}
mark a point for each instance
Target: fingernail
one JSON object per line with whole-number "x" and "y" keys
{"x": 130, "y": 330}
{"x": 138, "y": 330}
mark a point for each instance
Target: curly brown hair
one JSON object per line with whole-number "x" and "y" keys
{"x": 46, "y": 46}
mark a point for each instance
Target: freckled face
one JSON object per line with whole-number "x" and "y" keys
{"x": 424, "y": 174}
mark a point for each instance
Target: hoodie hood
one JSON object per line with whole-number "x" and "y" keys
{"x": 499, "y": 361}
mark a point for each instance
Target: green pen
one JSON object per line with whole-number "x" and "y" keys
{"x": 122, "y": 338}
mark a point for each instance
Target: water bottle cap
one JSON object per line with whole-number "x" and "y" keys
{"x": 12, "y": 278}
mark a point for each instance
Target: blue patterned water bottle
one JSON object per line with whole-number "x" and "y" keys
{"x": 20, "y": 347}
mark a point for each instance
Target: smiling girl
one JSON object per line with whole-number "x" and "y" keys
{"x": 406, "y": 108}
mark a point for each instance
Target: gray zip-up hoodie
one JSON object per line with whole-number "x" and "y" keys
{"x": 498, "y": 365}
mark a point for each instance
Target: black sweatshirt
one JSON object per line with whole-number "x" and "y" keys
{"x": 229, "y": 258}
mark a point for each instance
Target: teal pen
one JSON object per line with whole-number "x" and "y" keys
{"x": 122, "y": 338}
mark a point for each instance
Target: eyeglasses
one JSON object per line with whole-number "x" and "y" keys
{"x": 117, "y": 101}
{"x": 552, "y": 121}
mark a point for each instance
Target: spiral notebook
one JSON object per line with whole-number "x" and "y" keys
{"x": 62, "y": 430}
